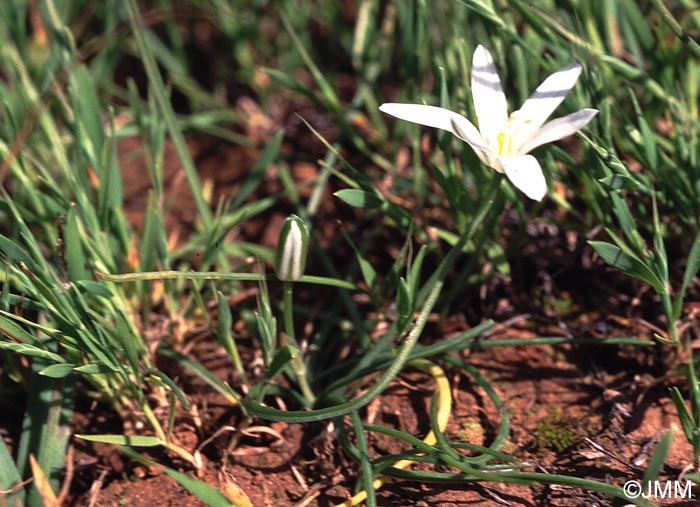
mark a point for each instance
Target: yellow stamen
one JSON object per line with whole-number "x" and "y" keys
{"x": 505, "y": 144}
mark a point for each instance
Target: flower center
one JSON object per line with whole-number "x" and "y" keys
{"x": 505, "y": 144}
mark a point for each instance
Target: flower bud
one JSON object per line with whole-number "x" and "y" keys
{"x": 292, "y": 247}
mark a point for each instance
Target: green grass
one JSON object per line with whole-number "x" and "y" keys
{"x": 429, "y": 224}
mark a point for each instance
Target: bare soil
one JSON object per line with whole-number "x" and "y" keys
{"x": 611, "y": 418}
{"x": 585, "y": 411}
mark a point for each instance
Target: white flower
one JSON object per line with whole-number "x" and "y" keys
{"x": 501, "y": 141}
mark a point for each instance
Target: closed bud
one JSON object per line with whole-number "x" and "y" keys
{"x": 292, "y": 247}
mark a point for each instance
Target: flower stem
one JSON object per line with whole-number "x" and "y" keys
{"x": 297, "y": 361}
{"x": 672, "y": 323}
{"x": 440, "y": 273}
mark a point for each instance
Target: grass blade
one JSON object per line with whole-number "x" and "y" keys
{"x": 158, "y": 90}
{"x": 10, "y": 479}
{"x": 208, "y": 494}
{"x": 656, "y": 462}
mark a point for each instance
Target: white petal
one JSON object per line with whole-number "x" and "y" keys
{"x": 559, "y": 129}
{"x": 489, "y": 101}
{"x": 525, "y": 173}
{"x": 440, "y": 118}
{"x": 545, "y": 99}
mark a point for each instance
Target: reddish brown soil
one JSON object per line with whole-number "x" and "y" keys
{"x": 616, "y": 417}
{"x": 611, "y": 401}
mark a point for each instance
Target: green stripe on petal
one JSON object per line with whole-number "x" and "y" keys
{"x": 292, "y": 249}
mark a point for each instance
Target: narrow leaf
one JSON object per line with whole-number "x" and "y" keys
{"x": 628, "y": 264}
{"x": 86, "y": 107}
{"x": 93, "y": 369}
{"x": 619, "y": 181}
{"x": 206, "y": 375}
{"x": 75, "y": 258}
{"x": 691, "y": 270}
{"x": 95, "y": 288}
{"x": 683, "y": 413}
{"x": 624, "y": 216}
{"x": 368, "y": 273}
{"x": 16, "y": 254}
{"x": 224, "y": 324}
{"x": 172, "y": 385}
{"x": 660, "y": 256}
{"x": 131, "y": 440}
{"x": 359, "y": 198}
{"x": 404, "y": 305}
{"x": 208, "y": 494}
{"x": 281, "y": 358}
{"x": 648, "y": 141}
{"x": 13, "y": 330}
{"x": 30, "y": 350}
{"x": 10, "y": 479}
{"x": 656, "y": 462}
{"x": 59, "y": 370}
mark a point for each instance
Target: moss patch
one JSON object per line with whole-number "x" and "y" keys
{"x": 557, "y": 432}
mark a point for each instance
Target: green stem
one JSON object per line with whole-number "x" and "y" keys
{"x": 676, "y": 28}
{"x": 440, "y": 273}
{"x": 530, "y": 478}
{"x": 667, "y": 305}
{"x": 468, "y": 267}
{"x": 471, "y": 473}
{"x": 345, "y": 408}
{"x": 215, "y": 275}
{"x": 367, "y": 472}
{"x": 287, "y": 311}
{"x": 155, "y": 424}
{"x": 297, "y": 361}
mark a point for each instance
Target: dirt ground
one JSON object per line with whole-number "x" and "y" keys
{"x": 586, "y": 411}
{"x": 591, "y": 412}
